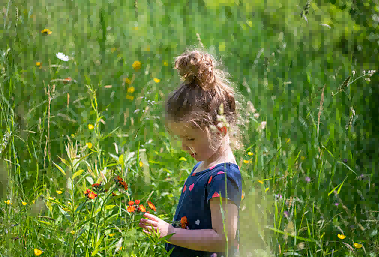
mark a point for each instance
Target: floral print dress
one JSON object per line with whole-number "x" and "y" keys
{"x": 193, "y": 210}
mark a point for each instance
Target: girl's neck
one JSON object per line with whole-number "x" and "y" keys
{"x": 223, "y": 154}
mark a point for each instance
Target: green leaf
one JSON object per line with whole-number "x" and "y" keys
{"x": 340, "y": 186}
{"x": 108, "y": 207}
{"x": 78, "y": 173}
{"x": 59, "y": 168}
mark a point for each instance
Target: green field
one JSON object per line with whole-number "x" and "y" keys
{"x": 310, "y": 177}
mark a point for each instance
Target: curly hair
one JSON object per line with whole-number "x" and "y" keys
{"x": 201, "y": 94}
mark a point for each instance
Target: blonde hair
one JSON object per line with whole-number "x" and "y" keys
{"x": 203, "y": 90}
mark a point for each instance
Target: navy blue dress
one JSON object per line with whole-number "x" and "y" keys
{"x": 198, "y": 189}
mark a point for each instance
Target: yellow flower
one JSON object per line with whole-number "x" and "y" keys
{"x": 288, "y": 140}
{"x": 341, "y": 236}
{"x": 156, "y": 80}
{"x": 127, "y": 81}
{"x": 260, "y": 181}
{"x": 24, "y": 203}
{"x": 73, "y": 232}
{"x": 59, "y": 192}
{"x": 51, "y": 198}
{"x": 72, "y": 135}
{"x": 8, "y": 202}
{"x": 46, "y": 31}
{"x": 246, "y": 161}
{"x": 120, "y": 248}
{"x": 165, "y": 63}
{"x": 38, "y": 64}
{"x": 69, "y": 203}
{"x": 90, "y": 127}
{"x": 140, "y": 164}
{"x": 130, "y": 97}
{"x": 136, "y": 65}
{"x": 37, "y": 252}
{"x": 89, "y": 145}
{"x": 302, "y": 158}
{"x": 250, "y": 153}
{"x": 66, "y": 209}
{"x": 356, "y": 245}
{"x": 34, "y": 201}
{"x": 131, "y": 90}
{"x": 111, "y": 234}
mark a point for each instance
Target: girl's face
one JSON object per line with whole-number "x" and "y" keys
{"x": 195, "y": 141}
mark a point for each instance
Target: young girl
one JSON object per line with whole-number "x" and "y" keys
{"x": 200, "y": 112}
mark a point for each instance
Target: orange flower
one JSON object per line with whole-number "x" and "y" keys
{"x": 92, "y": 195}
{"x": 131, "y": 203}
{"x": 138, "y": 201}
{"x": 151, "y": 205}
{"x": 183, "y": 221}
{"x": 96, "y": 185}
{"x": 87, "y": 192}
{"x": 123, "y": 183}
{"x": 131, "y": 209}
{"x": 142, "y": 208}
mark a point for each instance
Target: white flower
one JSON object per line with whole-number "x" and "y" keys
{"x": 256, "y": 115}
{"x": 263, "y": 124}
{"x": 62, "y": 57}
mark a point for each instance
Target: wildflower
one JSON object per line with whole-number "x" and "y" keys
{"x": 260, "y": 181}
{"x": 263, "y": 124}
{"x": 62, "y": 57}
{"x": 136, "y": 65}
{"x": 151, "y": 205}
{"x": 250, "y": 153}
{"x": 165, "y": 63}
{"x": 183, "y": 221}
{"x": 8, "y": 202}
{"x": 73, "y": 232}
{"x": 51, "y": 198}
{"x": 140, "y": 164}
{"x": 121, "y": 182}
{"x": 87, "y": 192}
{"x": 131, "y": 90}
{"x": 130, "y": 97}
{"x": 131, "y": 209}
{"x": 246, "y": 161}
{"x": 66, "y": 209}
{"x": 286, "y": 214}
{"x": 24, "y": 203}
{"x": 90, "y": 127}
{"x": 278, "y": 196}
{"x": 111, "y": 234}
{"x": 46, "y": 31}
{"x": 89, "y": 145}
{"x": 308, "y": 179}
{"x": 59, "y": 192}
{"x": 127, "y": 81}
{"x": 37, "y": 252}
{"x": 345, "y": 160}
{"x": 256, "y": 115}
{"x": 131, "y": 203}
{"x": 92, "y": 195}
{"x": 302, "y": 158}
{"x": 356, "y": 245}
{"x": 341, "y": 236}
{"x": 288, "y": 140}
{"x": 156, "y": 80}
{"x": 141, "y": 208}
{"x": 138, "y": 201}
{"x": 336, "y": 204}
{"x": 38, "y": 64}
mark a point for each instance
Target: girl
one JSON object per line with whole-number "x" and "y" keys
{"x": 200, "y": 112}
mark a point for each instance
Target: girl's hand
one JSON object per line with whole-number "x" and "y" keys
{"x": 153, "y": 222}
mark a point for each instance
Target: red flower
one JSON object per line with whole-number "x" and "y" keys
{"x": 131, "y": 203}
{"x": 87, "y": 192}
{"x": 96, "y": 185}
{"x": 151, "y": 205}
{"x": 137, "y": 201}
{"x": 131, "y": 209}
{"x": 184, "y": 222}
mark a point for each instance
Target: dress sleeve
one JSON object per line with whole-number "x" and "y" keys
{"x": 216, "y": 187}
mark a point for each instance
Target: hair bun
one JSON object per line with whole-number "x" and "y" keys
{"x": 196, "y": 67}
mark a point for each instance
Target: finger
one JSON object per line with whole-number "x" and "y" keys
{"x": 150, "y": 222}
{"x": 151, "y": 216}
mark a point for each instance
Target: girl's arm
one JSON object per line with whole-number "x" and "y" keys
{"x": 210, "y": 240}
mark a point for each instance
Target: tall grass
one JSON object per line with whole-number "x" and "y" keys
{"x": 67, "y": 125}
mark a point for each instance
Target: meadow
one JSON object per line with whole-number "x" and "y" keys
{"x": 83, "y": 147}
